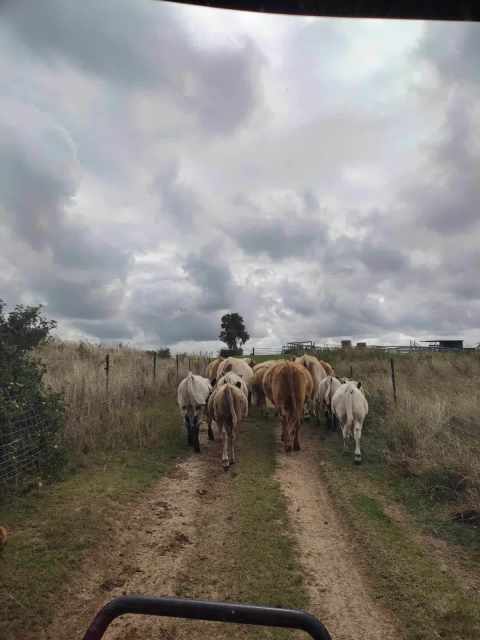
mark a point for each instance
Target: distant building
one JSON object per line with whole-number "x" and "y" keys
{"x": 361, "y": 345}
{"x": 439, "y": 344}
{"x": 346, "y": 344}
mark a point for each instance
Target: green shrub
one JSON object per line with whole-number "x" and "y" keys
{"x": 31, "y": 415}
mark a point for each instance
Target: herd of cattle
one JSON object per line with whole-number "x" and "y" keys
{"x": 291, "y": 388}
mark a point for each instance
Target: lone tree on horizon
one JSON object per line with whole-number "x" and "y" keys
{"x": 233, "y": 332}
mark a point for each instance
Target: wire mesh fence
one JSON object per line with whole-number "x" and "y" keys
{"x": 27, "y": 442}
{"x": 106, "y": 407}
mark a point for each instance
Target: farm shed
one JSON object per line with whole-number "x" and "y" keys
{"x": 443, "y": 345}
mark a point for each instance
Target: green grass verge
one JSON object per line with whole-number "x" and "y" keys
{"x": 258, "y": 562}
{"x": 52, "y": 529}
{"x": 406, "y": 575}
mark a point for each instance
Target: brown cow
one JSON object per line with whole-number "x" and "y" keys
{"x": 291, "y": 384}
{"x": 258, "y": 393}
{"x": 212, "y": 368}
{"x": 229, "y": 406}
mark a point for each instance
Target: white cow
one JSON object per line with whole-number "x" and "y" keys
{"x": 351, "y": 408}
{"x": 192, "y": 396}
{"x": 323, "y": 401}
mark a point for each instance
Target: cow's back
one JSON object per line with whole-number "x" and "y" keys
{"x": 289, "y": 387}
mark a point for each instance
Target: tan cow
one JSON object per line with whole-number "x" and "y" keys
{"x": 212, "y": 368}
{"x": 291, "y": 384}
{"x": 229, "y": 407}
{"x": 329, "y": 370}
{"x": 318, "y": 373}
{"x": 238, "y": 366}
{"x": 237, "y": 381}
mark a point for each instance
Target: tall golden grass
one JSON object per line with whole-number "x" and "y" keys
{"x": 122, "y": 415}
{"x": 433, "y": 431}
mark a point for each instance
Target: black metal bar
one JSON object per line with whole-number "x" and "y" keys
{"x": 230, "y": 613}
{"x": 458, "y": 10}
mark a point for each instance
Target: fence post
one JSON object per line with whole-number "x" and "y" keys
{"x": 107, "y": 371}
{"x": 154, "y": 365}
{"x": 394, "y": 384}
{"x": 351, "y": 372}
{"x": 176, "y": 358}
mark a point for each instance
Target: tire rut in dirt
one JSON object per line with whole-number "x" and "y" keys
{"x": 339, "y": 593}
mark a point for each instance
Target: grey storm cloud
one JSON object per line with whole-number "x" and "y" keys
{"x": 284, "y": 227}
{"x": 162, "y": 166}
{"x": 448, "y": 200}
{"x": 453, "y": 50}
{"x": 167, "y": 312}
{"x": 38, "y": 182}
{"x": 177, "y": 199}
{"x": 106, "y": 330}
{"x": 143, "y": 46}
{"x": 212, "y": 275}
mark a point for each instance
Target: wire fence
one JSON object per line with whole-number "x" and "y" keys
{"x": 26, "y": 442}
{"x": 103, "y": 409}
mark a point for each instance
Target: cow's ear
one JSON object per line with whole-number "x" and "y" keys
{"x": 359, "y": 384}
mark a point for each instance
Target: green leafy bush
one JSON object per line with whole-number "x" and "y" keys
{"x": 31, "y": 415}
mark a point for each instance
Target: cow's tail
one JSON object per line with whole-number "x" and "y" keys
{"x": 349, "y": 407}
{"x": 292, "y": 390}
{"x": 229, "y": 407}
{"x": 330, "y": 393}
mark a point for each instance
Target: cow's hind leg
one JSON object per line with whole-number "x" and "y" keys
{"x": 357, "y": 434}
{"x": 210, "y": 430}
{"x": 189, "y": 433}
{"x": 195, "y": 436}
{"x": 225, "y": 449}
{"x": 232, "y": 446}
{"x": 296, "y": 439}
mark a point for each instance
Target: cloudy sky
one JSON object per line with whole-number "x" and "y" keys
{"x": 161, "y": 165}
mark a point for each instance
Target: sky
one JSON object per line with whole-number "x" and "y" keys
{"x": 161, "y": 165}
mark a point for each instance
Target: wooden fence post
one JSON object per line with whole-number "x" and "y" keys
{"x": 394, "y": 384}
{"x": 107, "y": 371}
{"x": 176, "y": 358}
{"x": 154, "y": 365}
{"x": 351, "y": 372}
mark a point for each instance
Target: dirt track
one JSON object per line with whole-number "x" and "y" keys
{"x": 180, "y": 527}
{"x": 339, "y": 595}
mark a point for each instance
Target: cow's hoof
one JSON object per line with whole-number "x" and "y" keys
{"x": 358, "y": 459}
{"x": 288, "y": 449}
{"x": 226, "y": 466}
{"x": 296, "y": 447}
